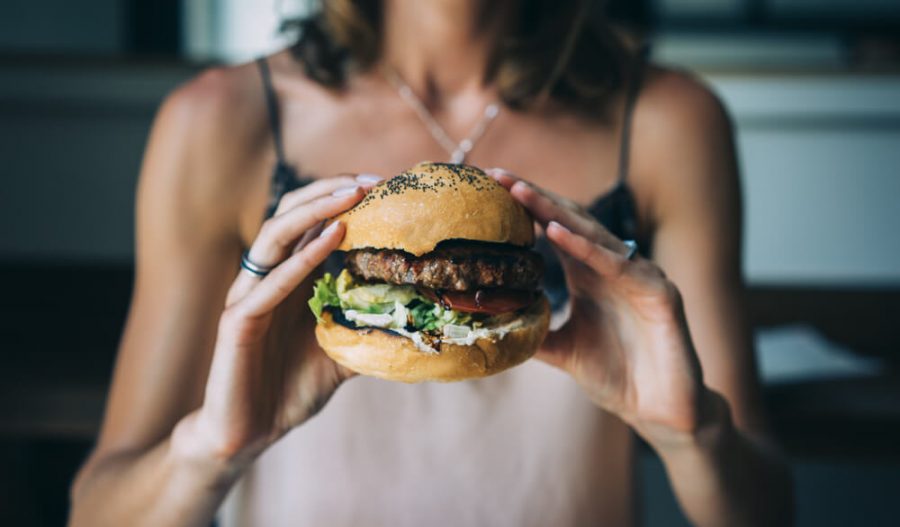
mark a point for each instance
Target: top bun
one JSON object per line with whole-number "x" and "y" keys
{"x": 433, "y": 202}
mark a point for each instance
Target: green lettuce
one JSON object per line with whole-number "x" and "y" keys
{"x": 374, "y": 298}
{"x": 431, "y": 317}
{"x": 424, "y": 316}
{"x": 409, "y": 309}
{"x": 324, "y": 295}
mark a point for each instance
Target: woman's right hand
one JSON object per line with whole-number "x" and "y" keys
{"x": 268, "y": 374}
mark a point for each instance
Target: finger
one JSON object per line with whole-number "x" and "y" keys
{"x": 285, "y": 278}
{"x": 639, "y": 276}
{"x": 309, "y": 236}
{"x": 279, "y": 234}
{"x": 604, "y": 261}
{"x": 245, "y": 280}
{"x": 323, "y": 187}
{"x": 556, "y": 349}
{"x": 243, "y": 283}
{"x": 546, "y": 208}
{"x": 504, "y": 177}
{"x": 304, "y": 221}
{"x": 507, "y": 179}
{"x": 310, "y": 191}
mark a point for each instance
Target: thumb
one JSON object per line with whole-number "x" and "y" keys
{"x": 557, "y": 347}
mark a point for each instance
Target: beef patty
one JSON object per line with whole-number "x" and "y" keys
{"x": 457, "y": 267}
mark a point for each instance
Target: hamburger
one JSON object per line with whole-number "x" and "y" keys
{"x": 439, "y": 282}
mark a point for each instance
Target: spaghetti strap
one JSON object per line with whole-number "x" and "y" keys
{"x": 265, "y": 74}
{"x": 634, "y": 88}
{"x": 284, "y": 176}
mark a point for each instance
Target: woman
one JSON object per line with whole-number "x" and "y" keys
{"x": 203, "y": 400}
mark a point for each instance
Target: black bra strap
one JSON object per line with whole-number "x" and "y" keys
{"x": 634, "y": 88}
{"x": 272, "y": 103}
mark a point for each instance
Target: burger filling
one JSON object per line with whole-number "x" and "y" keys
{"x": 452, "y": 267}
{"x": 454, "y": 293}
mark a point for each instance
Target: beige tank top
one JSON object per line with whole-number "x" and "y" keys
{"x": 521, "y": 448}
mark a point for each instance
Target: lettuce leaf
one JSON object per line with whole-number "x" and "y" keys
{"x": 432, "y": 317}
{"x": 376, "y": 298}
{"x": 324, "y": 295}
{"x": 424, "y": 317}
{"x": 409, "y": 309}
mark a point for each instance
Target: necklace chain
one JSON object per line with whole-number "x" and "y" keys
{"x": 457, "y": 151}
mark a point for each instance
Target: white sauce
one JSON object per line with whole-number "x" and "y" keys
{"x": 369, "y": 319}
{"x": 453, "y": 334}
{"x": 496, "y": 333}
{"x": 416, "y": 337}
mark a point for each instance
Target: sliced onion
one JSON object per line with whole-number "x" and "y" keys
{"x": 456, "y": 332}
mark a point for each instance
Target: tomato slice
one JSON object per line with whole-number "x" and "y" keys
{"x": 490, "y": 301}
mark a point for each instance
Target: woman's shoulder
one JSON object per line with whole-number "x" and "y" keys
{"x": 213, "y": 132}
{"x": 205, "y": 136}
{"x": 225, "y": 107}
{"x": 676, "y": 104}
{"x": 221, "y": 105}
{"x": 682, "y": 148}
{"x": 681, "y": 127}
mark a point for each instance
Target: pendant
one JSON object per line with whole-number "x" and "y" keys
{"x": 462, "y": 150}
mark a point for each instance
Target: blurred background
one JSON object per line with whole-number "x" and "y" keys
{"x": 814, "y": 89}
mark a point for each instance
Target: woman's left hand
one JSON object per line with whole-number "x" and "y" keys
{"x": 627, "y": 341}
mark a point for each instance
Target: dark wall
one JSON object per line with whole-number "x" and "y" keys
{"x": 71, "y": 140}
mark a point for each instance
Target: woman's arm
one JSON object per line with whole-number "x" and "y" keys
{"x": 161, "y": 485}
{"x": 729, "y": 472}
{"x": 670, "y": 353}
{"x": 186, "y": 245}
{"x": 185, "y": 412}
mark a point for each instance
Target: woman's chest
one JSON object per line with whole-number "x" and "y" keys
{"x": 575, "y": 158}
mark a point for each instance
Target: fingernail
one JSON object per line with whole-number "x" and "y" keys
{"x": 330, "y": 229}
{"x": 558, "y": 226}
{"x": 521, "y": 183}
{"x": 369, "y": 178}
{"x": 495, "y": 171}
{"x": 345, "y": 191}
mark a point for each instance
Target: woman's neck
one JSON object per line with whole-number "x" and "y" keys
{"x": 441, "y": 48}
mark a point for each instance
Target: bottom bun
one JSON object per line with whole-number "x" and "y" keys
{"x": 391, "y": 356}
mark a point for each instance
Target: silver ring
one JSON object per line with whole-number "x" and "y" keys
{"x": 254, "y": 268}
{"x": 632, "y": 249}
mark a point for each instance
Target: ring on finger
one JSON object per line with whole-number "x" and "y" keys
{"x": 254, "y": 268}
{"x": 632, "y": 248}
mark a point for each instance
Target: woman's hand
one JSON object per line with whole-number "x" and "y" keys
{"x": 268, "y": 375}
{"x": 627, "y": 341}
